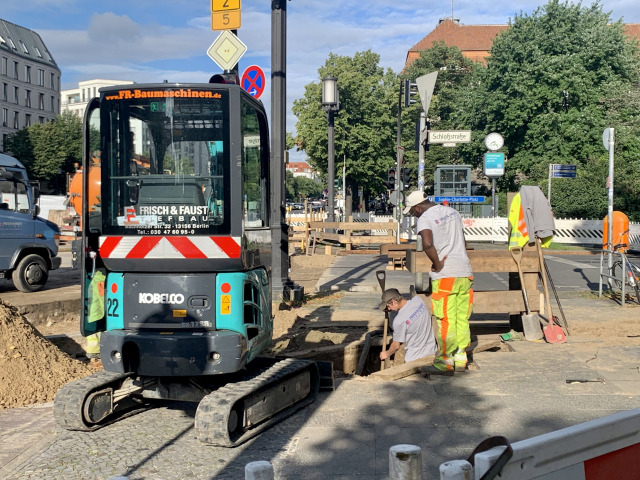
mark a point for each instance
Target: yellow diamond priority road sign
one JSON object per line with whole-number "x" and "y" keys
{"x": 227, "y": 50}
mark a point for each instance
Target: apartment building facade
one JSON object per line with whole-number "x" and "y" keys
{"x": 29, "y": 78}
{"x": 76, "y": 99}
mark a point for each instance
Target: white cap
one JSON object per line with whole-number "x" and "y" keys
{"x": 414, "y": 198}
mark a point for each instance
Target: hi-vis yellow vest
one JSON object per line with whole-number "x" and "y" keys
{"x": 519, "y": 234}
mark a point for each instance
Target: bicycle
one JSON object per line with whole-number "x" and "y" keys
{"x": 629, "y": 271}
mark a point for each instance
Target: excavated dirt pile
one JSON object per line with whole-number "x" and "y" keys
{"x": 31, "y": 368}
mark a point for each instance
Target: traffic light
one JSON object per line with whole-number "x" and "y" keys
{"x": 410, "y": 91}
{"x": 406, "y": 178}
{"x": 391, "y": 178}
{"x": 226, "y": 78}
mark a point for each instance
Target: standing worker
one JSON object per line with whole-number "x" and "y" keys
{"x": 440, "y": 228}
{"x": 412, "y": 326}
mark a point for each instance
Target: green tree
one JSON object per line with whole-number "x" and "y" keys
{"x": 364, "y": 125}
{"x": 308, "y": 188}
{"x": 456, "y": 76}
{"x": 555, "y": 79}
{"x": 48, "y": 148}
{"x": 19, "y": 145}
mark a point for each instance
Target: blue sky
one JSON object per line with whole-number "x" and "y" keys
{"x": 156, "y": 40}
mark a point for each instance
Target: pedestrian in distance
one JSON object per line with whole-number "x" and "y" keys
{"x": 411, "y": 326}
{"x": 440, "y": 229}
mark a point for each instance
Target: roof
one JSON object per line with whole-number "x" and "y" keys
{"x": 473, "y": 40}
{"x": 24, "y": 43}
{"x": 8, "y": 161}
{"x": 632, "y": 30}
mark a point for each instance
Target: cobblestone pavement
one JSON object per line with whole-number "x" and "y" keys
{"x": 156, "y": 444}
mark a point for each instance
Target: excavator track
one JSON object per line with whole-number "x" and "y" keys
{"x": 88, "y": 404}
{"x": 240, "y": 410}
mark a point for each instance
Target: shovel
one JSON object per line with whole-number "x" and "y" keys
{"x": 552, "y": 333}
{"x": 530, "y": 322}
{"x": 382, "y": 279}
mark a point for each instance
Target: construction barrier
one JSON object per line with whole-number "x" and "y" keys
{"x": 496, "y": 229}
{"x": 603, "y": 449}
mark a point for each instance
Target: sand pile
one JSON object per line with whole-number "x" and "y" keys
{"x": 31, "y": 368}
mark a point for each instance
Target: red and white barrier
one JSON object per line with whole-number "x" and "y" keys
{"x": 603, "y": 449}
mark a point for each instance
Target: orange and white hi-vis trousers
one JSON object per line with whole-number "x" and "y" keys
{"x": 452, "y": 304}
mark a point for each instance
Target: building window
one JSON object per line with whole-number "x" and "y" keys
{"x": 13, "y": 45}
{"x": 52, "y": 85}
{"x": 37, "y": 51}
{"x": 5, "y": 117}
{"x": 15, "y": 70}
{"x": 16, "y": 95}
{"x": 41, "y": 119}
{"x": 5, "y": 89}
{"x": 24, "y": 47}
{"x": 41, "y": 101}
{"x": 53, "y": 104}
{"x": 41, "y": 77}
{"x": 27, "y": 98}
{"x": 27, "y": 73}
{"x": 16, "y": 120}
{"x": 4, "y": 66}
{"x": 27, "y": 120}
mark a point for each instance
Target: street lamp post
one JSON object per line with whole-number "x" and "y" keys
{"x": 330, "y": 104}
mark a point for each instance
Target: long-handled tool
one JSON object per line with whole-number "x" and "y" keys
{"x": 552, "y": 333}
{"x": 382, "y": 280}
{"x": 530, "y": 322}
{"x": 564, "y": 324}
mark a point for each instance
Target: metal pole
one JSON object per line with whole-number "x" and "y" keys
{"x": 330, "y": 169}
{"x": 493, "y": 198}
{"x": 610, "y": 208}
{"x": 549, "y": 188}
{"x": 398, "y": 208}
{"x": 423, "y": 123}
{"x": 344, "y": 187}
{"x": 279, "y": 230}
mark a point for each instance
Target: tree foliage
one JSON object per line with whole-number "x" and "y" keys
{"x": 555, "y": 79}
{"x": 364, "y": 125}
{"x": 456, "y": 76}
{"x": 49, "y": 148}
{"x": 300, "y": 187}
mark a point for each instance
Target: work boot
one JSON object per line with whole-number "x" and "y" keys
{"x": 433, "y": 370}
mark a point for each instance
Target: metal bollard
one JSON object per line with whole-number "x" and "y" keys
{"x": 261, "y": 470}
{"x": 456, "y": 470}
{"x": 405, "y": 462}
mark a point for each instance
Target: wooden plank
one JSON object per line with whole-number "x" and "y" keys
{"x": 505, "y": 301}
{"x": 481, "y": 261}
{"x": 389, "y": 248}
{"x": 479, "y": 343}
{"x": 362, "y": 240}
{"x": 355, "y": 225}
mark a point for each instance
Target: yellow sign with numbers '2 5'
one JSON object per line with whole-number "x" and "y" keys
{"x": 225, "y": 14}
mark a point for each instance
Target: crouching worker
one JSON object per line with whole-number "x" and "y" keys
{"x": 411, "y": 327}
